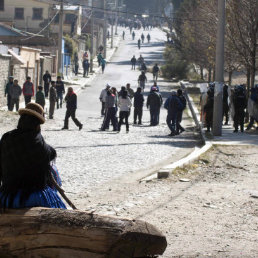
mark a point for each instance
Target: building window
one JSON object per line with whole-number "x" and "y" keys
{"x": 1, "y": 5}
{"x": 70, "y": 18}
{"x": 56, "y": 20}
{"x": 37, "y": 14}
{"x": 19, "y": 14}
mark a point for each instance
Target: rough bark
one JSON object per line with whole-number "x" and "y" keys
{"x": 40, "y": 232}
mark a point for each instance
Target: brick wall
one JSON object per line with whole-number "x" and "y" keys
{"x": 4, "y": 74}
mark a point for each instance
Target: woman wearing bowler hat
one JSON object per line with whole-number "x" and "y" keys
{"x": 25, "y": 164}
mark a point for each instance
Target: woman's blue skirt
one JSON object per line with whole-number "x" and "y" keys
{"x": 48, "y": 197}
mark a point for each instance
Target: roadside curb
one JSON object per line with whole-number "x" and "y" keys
{"x": 165, "y": 171}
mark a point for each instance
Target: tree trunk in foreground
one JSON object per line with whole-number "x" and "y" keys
{"x": 41, "y": 232}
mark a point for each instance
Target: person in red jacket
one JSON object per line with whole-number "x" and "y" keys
{"x": 28, "y": 90}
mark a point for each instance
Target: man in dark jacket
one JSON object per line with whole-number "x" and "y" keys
{"x": 85, "y": 65}
{"x": 179, "y": 128}
{"x": 239, "y": 102}
{"x": 142, "y": 79}
{"x": 173, "y": 106}
{"x": 208, "y": 108}
{"x": 138, "y": 105}
{"x": 47, "y": 80}
{"x": 133, "y": 62}
{"x": 225, "y": 103}
{"x": 155, "y": 72}
{"x": 28, "y": 90}
{"x": 15, "y": 93}
{"x": 154, "y": 102}
{"x": 71, "y": 105}
{"x": 7, "y": 92}
{"x": 60, "y": 90}
{"x": 52, "y": 99}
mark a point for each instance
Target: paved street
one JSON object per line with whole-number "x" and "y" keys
{"x": 89, "y": 158}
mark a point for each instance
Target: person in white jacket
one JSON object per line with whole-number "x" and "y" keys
{"x": 124, "y": 103}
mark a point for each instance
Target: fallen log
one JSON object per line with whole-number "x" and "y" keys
{"x": 42, "y": 232}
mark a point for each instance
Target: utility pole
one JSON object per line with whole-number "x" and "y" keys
{"x": 60, "y": 39}
{"x": 105, "y": 30}
{"x": 116, "y": 7}
{"x": 218, "y": 93}
{"x": 112, "y": 30}
{"x": 92, "y": 39}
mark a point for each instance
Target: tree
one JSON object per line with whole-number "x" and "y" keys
{"x": 242, "y": 33}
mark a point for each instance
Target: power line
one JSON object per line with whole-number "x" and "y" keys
{"x": 132, "y": 13}
{"x": 38, "y": 34}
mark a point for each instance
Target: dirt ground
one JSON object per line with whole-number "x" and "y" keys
{"x": 215, "y": 214}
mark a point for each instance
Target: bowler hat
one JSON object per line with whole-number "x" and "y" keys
{"x": 33, "y": 109}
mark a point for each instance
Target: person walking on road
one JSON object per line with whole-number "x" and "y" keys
{"x": 99, "y": 57}
{"x": 85, "y": 65}
{"x": 148, "y": 37}
{"x": 40, "y": 97}
{"x": 154, "y": 103}
{"x": 102, "y": 99}
{"x": 142, "y": 79}
{"x": 47, "y": 79}
{"x": 140, "y": 61}
{"x": 124, "y": 103}
{"x": 110, "y": 115}
{"x": 155, "y": 72}
{"x": 15, "y": 93}
{"x": 133, "y": 62}
{"x": 103, "y": 65}
{"x": 179, "y": 128}
{"x": 52, "y": 99}
{"x": 144, "y": 67}
{"x": 173, "y": 106}
{"x": 123, "y": 35}
{"x": 28, "y": 90}
{"x": 71, "y": 106}
{"x": 138, "y": 106}
{"x": 142, "y": 37}
{"x": 139, "y": 43}
{"x": 7, "y": 94}
{"x": 60, "y": 90}
{"x": 133, "y": 35}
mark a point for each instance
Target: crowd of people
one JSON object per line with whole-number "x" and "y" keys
{"x": 235, "y": 104}
{"x": 54, "y": 91}
{"x": 113, "y": 101}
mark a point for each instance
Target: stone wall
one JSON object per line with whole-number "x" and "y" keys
{"x": 4, "y": 74}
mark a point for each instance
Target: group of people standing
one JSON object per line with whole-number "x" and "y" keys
{"x": 235, "y": 102}
{"x": 53, "y": 90}
{"x": 13, "y": 91}
{"x": 112, "y": 101}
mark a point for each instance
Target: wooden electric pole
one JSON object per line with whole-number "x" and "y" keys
{"x": 60, "y": 39}
{"x": 218, "y": 93}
